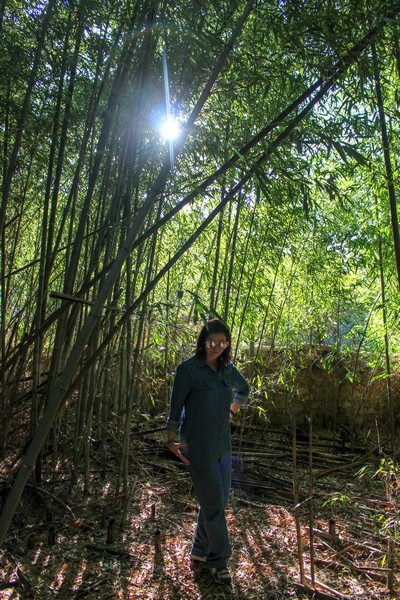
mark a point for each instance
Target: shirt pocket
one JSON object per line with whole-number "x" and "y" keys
{"x": 203, "y": 382}
{"x": 202, "y": 401}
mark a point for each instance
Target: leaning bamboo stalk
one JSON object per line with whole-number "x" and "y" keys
{"x": 395, "y": 234}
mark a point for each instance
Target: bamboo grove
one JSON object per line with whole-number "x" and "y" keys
{"x": 274, "y": 208}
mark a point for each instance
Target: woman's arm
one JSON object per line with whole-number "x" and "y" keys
{"x": 180, "y": 390}
{"x": 242, "y": 391}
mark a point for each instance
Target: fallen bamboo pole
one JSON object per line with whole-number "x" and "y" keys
{"x": 328, "y": 589}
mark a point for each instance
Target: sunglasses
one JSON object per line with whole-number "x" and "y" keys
{"x": 212, "y": 344}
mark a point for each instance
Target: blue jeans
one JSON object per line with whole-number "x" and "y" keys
{"x": 212, "y": 487}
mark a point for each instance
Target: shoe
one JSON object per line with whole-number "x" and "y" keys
{"x": 221, "y": 576}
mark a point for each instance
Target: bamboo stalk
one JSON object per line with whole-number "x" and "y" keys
{"x": 296, "y": 500}
{"x": 72, "y": 298}
{"x": 390, "y": 561}
{"x": 310, "y": 502}
{"x": 128, "y": 502}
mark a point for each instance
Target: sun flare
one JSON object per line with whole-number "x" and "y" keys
{"x": 170, "y": 129}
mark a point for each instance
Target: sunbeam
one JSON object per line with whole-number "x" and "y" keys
{"x": 170, "y": 128}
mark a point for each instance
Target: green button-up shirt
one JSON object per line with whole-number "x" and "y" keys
{"x": 200, "y": 404}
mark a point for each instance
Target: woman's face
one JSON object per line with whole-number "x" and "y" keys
{"x": 215, "y": 344}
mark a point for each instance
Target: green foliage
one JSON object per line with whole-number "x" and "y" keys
{"x": 388, "y": 473}
{"x": 340, "y": 500}
{"x": 386, "y": 520}
{"x": 262, "y": 414}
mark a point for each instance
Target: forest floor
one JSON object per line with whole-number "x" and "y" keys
{"x": 66, "y": 543}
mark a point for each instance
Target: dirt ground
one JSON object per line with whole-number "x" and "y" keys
{"x": 69, "y": 544}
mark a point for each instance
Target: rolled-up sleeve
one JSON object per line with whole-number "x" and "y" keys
{"x": 180, "y": 391}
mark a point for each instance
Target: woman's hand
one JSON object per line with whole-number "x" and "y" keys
{"x": 175, "y": 448}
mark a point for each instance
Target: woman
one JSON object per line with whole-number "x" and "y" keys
{"x": 201, "y": 407}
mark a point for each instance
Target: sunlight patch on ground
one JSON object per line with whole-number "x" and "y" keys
{"x": 37, "y": 556}
{"x": 60, "y": 577}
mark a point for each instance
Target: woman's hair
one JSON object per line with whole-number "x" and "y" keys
{"x": 214, "y": 326}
